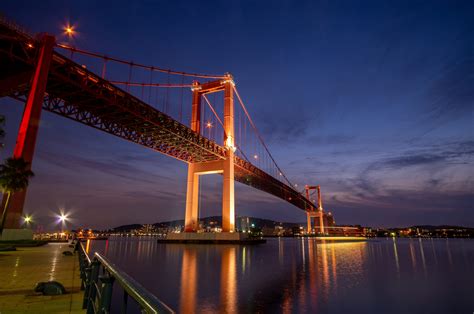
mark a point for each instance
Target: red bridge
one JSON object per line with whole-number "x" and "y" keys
{"x": 33, "y": 71}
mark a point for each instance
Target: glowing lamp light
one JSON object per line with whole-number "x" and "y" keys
{"x": 69, "y": 30}
{"x": 228, "y": 144}
{"x": 27, "y": 219}
{"x": 62, "y": 217}
{"x": 255, "y": 156}
{"x": 208, "y": 125}
{"x": 29, "y": 45}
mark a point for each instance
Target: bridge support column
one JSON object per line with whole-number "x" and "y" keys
{"x": 191, "y": 220}
{"x": 308, "y": 222}
{"x": 321, "y": 221}
{"x": 226, "y": 166}
{"x": 320, "y": 209}
{"x": 228, "y": 196}
{"x": 26, "y": 140}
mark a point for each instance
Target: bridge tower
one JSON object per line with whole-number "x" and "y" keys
{"x": 27, "y": 134}
{"x": 315, "y": 212}
{"x": 225, "y": 166}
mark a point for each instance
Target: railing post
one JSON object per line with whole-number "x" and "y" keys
{"x": 107, "y": 283}
{"x": 82, "y": 268}
{"x": 87, "y": 278}
{"x": 124, "y": 302}
{"x": 92, "y": 286}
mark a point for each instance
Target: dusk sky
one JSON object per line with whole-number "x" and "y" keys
{"x": 373, "y": 100}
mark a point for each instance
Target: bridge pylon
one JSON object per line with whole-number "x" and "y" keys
{"x": 315, "y": 213}
{"x": 27, "y": 133}
{"x": 224, "y": 166}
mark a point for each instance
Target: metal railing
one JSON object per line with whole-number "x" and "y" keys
{"x": 97, "y": 280}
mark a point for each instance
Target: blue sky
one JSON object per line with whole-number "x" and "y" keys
{"x": 371, "y": 99}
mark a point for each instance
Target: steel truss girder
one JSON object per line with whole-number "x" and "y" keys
{"x": 78, "y": 94}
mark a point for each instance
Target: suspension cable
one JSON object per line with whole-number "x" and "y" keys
{"x": 213, "y": 111}
{"x": 151, "y": 84}
{"x": 222, "y": 124}
{"x": 152, "y": 68}
{"x": 258, "y": 134}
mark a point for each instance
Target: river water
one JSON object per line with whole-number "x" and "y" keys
{"x": 301, "y": 275}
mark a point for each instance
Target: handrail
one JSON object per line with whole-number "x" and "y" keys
{"x": 98, "y": 289}
{"x": 143, "y": 297}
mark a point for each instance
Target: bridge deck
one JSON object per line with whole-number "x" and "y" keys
{"x": 80, "y": 95}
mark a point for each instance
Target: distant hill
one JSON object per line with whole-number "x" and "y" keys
{"x": 258, "y": 222}
{"x": 261, "y": 223}
{"x": 126, "y": 228}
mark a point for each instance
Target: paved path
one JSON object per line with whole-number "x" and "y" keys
{"x": 21, "y": 270}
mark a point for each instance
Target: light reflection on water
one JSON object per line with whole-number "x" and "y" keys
{"x": 301, "y": 275}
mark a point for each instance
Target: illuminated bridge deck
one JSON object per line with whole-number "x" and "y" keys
{"x": 80, "y": 95}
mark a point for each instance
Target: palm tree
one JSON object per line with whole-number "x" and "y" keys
{"x": 14, "y": 177}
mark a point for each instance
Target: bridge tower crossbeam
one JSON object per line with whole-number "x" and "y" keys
{"x": 224, "y": 167}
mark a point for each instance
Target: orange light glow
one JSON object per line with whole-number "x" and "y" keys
{"x": 69, "y": 30}
{"x": 208, "y": 125}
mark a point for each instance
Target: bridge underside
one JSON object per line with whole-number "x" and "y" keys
{"x": 80, "y": 95}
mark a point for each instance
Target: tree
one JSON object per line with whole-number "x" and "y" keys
{"x": 15, "y": 174}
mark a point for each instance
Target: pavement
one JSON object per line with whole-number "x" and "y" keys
{"x": 20, "y": 271}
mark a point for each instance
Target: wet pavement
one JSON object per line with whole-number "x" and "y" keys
{"x": 20, "y": 270}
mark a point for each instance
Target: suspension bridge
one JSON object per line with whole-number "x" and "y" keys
{"x": 189, "y": 116}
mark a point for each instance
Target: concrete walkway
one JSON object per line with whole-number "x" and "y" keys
{"x": 21, "y": 270}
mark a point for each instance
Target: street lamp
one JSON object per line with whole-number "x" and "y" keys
{"x": 69, "y": 30}
{"x": 28, "y": 219}
{"x": 62, "y": 217}
{"x": 209, "y": 126}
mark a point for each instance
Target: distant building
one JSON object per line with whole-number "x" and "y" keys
{"x": 243, "y": 223}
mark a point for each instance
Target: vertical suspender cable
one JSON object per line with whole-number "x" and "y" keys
{"x": 104, "y": 68}
{"x": 150, "y": 89}
{"x": 181, "y": 102}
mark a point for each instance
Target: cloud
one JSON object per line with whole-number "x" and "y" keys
{"x": 450, "y": 153}
{"x": 111, "y": 166}
{"x": 451, "y": 94}
{"x": 413, "y": 160}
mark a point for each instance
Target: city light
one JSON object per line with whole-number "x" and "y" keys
{"x": 255, "y": 156}
{"x": 208, "y": 125}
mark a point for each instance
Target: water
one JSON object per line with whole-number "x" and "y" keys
{"x": 290, "y": 275}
